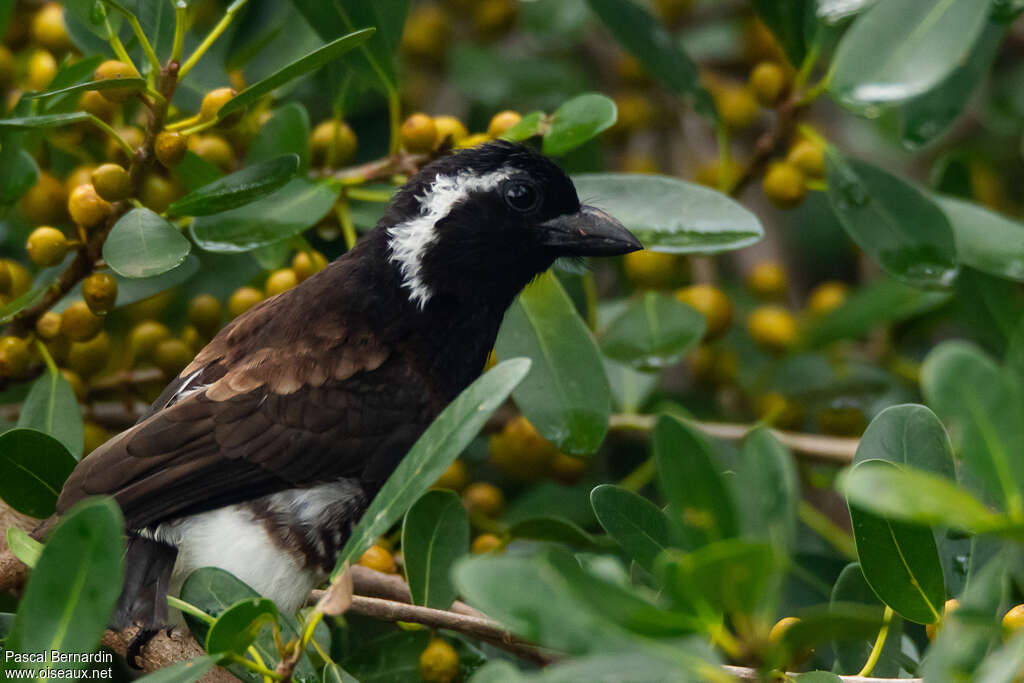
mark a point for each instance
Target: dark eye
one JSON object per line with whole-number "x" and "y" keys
{"x": 522, "y": 197}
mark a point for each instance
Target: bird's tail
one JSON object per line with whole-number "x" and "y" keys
{"x": 143, "y": 602}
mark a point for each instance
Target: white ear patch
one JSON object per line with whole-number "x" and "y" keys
{"x": 410, "y": 239}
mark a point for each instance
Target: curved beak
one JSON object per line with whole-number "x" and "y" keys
{"x": 588, "y": 232}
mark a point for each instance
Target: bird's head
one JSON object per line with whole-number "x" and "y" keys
{"x": 489, "y": 219}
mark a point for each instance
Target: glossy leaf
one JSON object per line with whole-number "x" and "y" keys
{"x": 21, "y": 171}
{"x": 44, "y": 121}
{"x": 991, "y": 242}
{"x": 894, "y": 222}
{"x": 645, "y": 38}
{"x": 194, "y": 172}
{"x": 900, "y": 561}
{"x": 157, "y": 21}
{"x": 899, "y": 49}
{"x": 126, "y": 83}
{"x": 285, "y": 132}
{"x": 655, "y": 331}
{"x": 33, "y": 468}
{"x": 728, "y": 576}
{"x": 911, "y": 435}
{"x": 335, "y": 674}
{"x": 834, "y": 11}
{"x": 239, "y": 625}
{"x": 182, "y": 672}
{"x": 432, "y": 453}
{"x": 434, "y": 535}
{"x": 24, "y": 547}
{"x": 142, "y": 244}
{"x": 130, "y": 290}
{"x": 239, "y": 188}
{"x": 300, "y": 67}
{"x": 636, "y": 524}
{"x": 851, "y": 588}
{"x": 919, "y": 497}
{"x": 283, "y": 214}
{"x": 555, "y": 530}
{"x": 983, "y": 410}
{"x": 529, "y": 126}
{"x": 630, "y": 388}
{"x": 51, "y": 408}
{"x": 671, "y": 215}
{"x": 692, "y": 482}
{"x": 91, "y": 14}
{"x": 577, "y": 121}
{"x": 768, "y": 490}
{"x": 566, "y": 395}
{"x": 71, "y": 593}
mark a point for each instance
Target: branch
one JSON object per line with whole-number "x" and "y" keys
{"x": 772, "y": 142}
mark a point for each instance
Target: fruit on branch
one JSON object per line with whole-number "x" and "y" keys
{"x": 332, "y": 143}
{"x": 502, "y": 121}
{"x": 242, "y": 299}
{"x": 89, "y": 357}
{"x": 419, "y": 133}
{"x": 785, "y": 185}
{"x": 809, "y": 157}
{"x": 172, "y": 355}
{"x": 112, "y": 182}
{"x": 47, "y": 246}
{"x": 42, "y": 68}
{"x": 520, "y": 452}
{"x": 772, "y": 327}
{"x": 170, "y": 148}
{"x": 713, "y": 304}
{"x": 204, "y": 312}
{"x": 307, "y": 263}
{"x": 486, "y": 543}
{"x": 450, "y": 129}
{"x": 484, "y": 499}
{"x": 768, "y": 280}
{"x": 280, "y": 281}
{"x": 951, "y": 606}
{"x": 212, "y": 103}
{"x": 45, "y": 203}
{"x": 439, "y": 662}
{"x": 79, "y": 323}
{"x": 99, "y": 291}
{"x": 654, "y": 270}
{"x": 455, "y": 478}
{"x": 144, "y": 337}
{"x": 768, "y": 83}
{"x": 112, "y": 69}
{"x": 87, "y": 208}
{"x": 826, "y": 297}
{"x": 378, "y": 559}
{"x": 214, "y": 149}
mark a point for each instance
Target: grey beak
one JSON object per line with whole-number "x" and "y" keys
{"x": 589, "y": 232}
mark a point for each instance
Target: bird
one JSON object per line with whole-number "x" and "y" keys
{"x": 263, "y": 453}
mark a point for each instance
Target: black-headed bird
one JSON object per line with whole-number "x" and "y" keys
{"x": 264, "y": 452}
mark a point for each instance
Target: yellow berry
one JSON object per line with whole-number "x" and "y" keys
{"x": 48, "y": 28}
{"x": 473, "y": 140}
{"x": 772, "y": 327}
{"x": 439, "y": 662}
{"x": 378, "y": 559}
{"x": 425, "y": 35}
{"x": 768, "y": 280}
{"x": 243, "y": 299}
{"x": 779, "y": 411}
{"x": 90, "y": 356}
{"x": 144, "y": 337}
{"x": 778, "y": 631}
{"x": 493, "y": 17}
{"x": 483, "y": 498}
{"x": 1013, "y": 620}
{"x": 485, "y": 543}
{"x": 95, "y": 436}
{"x": 768, "y": 81}
{"x": 737, "y": 106}
{"x": 94, "y": 103}
{"x": 455, "y": 477}
{"x": 87, "y": 208}
{"x": 112, "y": 182}
{"x": 785, "y": 185}
{"x": 951, "y": 606}
{"x": 826, "y": 297}
{"x": 14, "y": 356}
{"x": 114, "y": 152}
{"x": 171, "y": 356}
{"x": 712, "y": 303}
{"x": 111, "y": 69}
{"x": 212, "y": 103}
{"x": 21, "y": 279}
{"x": 502, "y": 122}
{"x": 78, "y": 323}
{"x": 204, "y": 312}
{"x": 158, "y": 192}
{"x": 419, "y": 133}
{"x": 450, "y": 129}
{"x": 214, "y": 149}
{"x": 76, "y": 382}
{"x": 308, "y": 263}
{"x": 567, "y": 469}
{"x": 99, "y": 291}
{"x": 45, "y": 203}
{"x": 654, "y": 270}
{"x": 711, "y": 174}
{"x": 47, "y": 246}
{"x": 636, "y": 112}
{"x": 48, "y": 325}
{"x": 42, "y": 67}
{"x": 672, "y": 12}
{"x": 80, "y": 175}
{"x": 280, "y": 281}
{"x": 170, "y": 147}
{"x": 332, "y": 143}
{"x": 520, "y": 452}
{"x": 809, "y": 157}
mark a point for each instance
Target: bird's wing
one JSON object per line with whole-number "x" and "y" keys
{"x": 236, "y": 426}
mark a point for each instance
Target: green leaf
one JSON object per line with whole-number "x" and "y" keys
{"x": 671, "y": 215}
{"x": 566, "y": 395}
{"x": 655, "y": 331}
{"x": 835, "y": 11}
{"x": 432, "y": 453}
{"x": 900, "y": 561}
{"x": 636, "y": 524}
{"x": 918, "y": 497}
{"x": 884, "y": 301}
{"x": 837, "y": 621}
{"x": 126, "y": 83}
{"x": 194, "y": 171}
{"x": 986, "y": 240}
{"x": 300, "y": 67}
{"x": 692, "y": 483}
{"x": 24, "y": 547}
{"x": 240, "y": 188}
{"x": 577, "y": 121}
{"x": 283, "y": 214}
{"x": 51, "y": 408}
{"x": 908, "y": 435}
{"x": 157, "y": 20}
{"x": 646, "y": 39}
{"x": 434, "y": 535}
{"x": 91, "y": 13}
{"x": 130, "y": 290}
{"x": 21, "y": 171}
{"x": 979, "y": 403}
{"x": 239, "y": 625}
{"x": 525, "y": 129}
{"x": 630, "y": 388}
{"x": 787, "y": 19}
{"x": 728, "y": 576}
{"x": 900, "y": 49}
{"x": 33, "y": 468}
{"x": 286, "y": 132}
{"x": 142, "y": 244}
{"x": 389, "y": 657}
{"x": 182, "y": 672}
{"x": 335, "y": 674}
{"x": 1003, "y": 665}
{"x": 556, "y": 530}
{"x": 71, "y": 593}
{"x": 851, "y": 587}
{"x": 894, "y": 222}
{"x": 768, "y": 490}
{"x": 44, "y": 121}
{"x": 817, "y": 677}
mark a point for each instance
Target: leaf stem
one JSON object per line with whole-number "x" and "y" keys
{"x": 253, "y": 666}
{"x": 190, "y": 609}
{"x": 180, "y": 17}
{"x": 640, "y": 477}
{"x": 348, "y": 229}
{"x": 183, "y": 123}
{"x": 147, "y": 47}
{"x": 876, "y": 649}
{"x": 211, "y": 37}
{"x": 395, "y": 119}
{"x": 835, "y": 535}
{"x": 51, "y": 367}
{"x": 102, "y": 125}
{"x": 116, "y": 44}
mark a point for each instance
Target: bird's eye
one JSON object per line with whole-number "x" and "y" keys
{"x": 522, "y": 197}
